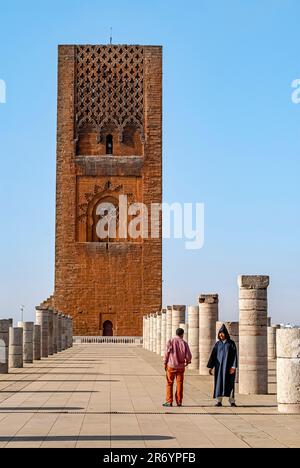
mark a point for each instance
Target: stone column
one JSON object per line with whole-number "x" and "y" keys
{"x": 51, "y": 339}
{"x": 71, "y": 331}
{"x": 185, "y": 328}
{"x": 42, "y": 319}
{"x": 59, "y": 332}
{"x": 63, "y": 334}
{"x": 15, "y": 352}
{"x": 37, "y": 343}
{"x": 11, "y": 322}
{"x": 178, "y": 317}
{"x": 168, "y": 323}
{"x": 208, "y": 316}
{"x": 70, "y": 338}
{"x": 144, "y": 331}
{"x": 272, "y": 341}
{"x": 158, "y": 333}
{"x": 4, "y": 344}
{"x": 193, "y": 336}
{"x": 163, "y": 331}
{"x": 150, "y": 331}
{"x": 27, "y": 341}
{"x": 253, "y": 374}
{"x": 67, "y": 332}
{"x": 147, "y": 344}
{"x": 233, "y": 330}
{"x": 288, "y": 370}
{"x": 55, "y": 325}
{"x": 154, "y": 333}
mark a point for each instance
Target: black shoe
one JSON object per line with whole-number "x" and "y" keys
{"x": 168, "y": 405}
{"x": 218, "y": 405}
{"x": 233, "y": 405}
{"x": 179, "y": 404}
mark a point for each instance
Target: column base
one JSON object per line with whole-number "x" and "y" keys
{"x": 289, "y": 408}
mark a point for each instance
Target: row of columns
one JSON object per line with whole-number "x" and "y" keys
{"x": 29, "y": 342}
{"x": 256, "y": 338}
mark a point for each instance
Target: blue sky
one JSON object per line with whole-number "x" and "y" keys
{"x": 231, "y": 139}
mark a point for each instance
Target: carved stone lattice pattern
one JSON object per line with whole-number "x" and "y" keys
{"x": 110, "y": 88}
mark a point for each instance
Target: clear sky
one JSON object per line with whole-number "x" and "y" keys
{"x": 231, "y": 139}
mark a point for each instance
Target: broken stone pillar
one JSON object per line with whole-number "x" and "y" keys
{"x": 168, "y": 323}
{"x": 37, "y": 343}
{"x": 63, "y": 333}
{"x": 208, "y": 316}
{"x": 233, "y": 330}
{"x": 15, "y": 351}
{"x": 27, "y": 341}
{"x": 4, "y": 344}
{"x": 144, "y": 331}
{"x": 178, "y": 317}
{"x": 67, "y": 332}
{"x": 11, "y": 322}
{"x": 272, "y": 341}
{"x": 55, "y": 325}
{"x": 145, "y": 324}
{"x": 158, "y": 333}
{"x": 253, "y": 373}
{"x": 59, "y": 332}
{"x": 70, "y": 334}
{"x": 193, "y": 336}
{"x": 185, "y": 328}
{"x": 154, "y": 333}
{"x": 51, "y": 338}
{"x": 163, "y": 331}
{"x": 71, "y": 331}
{"x": 148, "y": 332}
{"x": 288, "y": 370}
{"x": 269, "y": 321}
{"x": 42, "y": 319}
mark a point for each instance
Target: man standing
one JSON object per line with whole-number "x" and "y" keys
{"x": 224, "y": 360}
{"x": 177, "y": 357}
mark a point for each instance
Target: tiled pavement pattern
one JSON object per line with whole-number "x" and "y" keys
{"x": 111, "y": 396}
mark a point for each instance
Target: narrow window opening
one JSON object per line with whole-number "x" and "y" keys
{"x": 109, "y": 144}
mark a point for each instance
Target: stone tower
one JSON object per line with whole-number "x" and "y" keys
{"x": 109, "y": 143}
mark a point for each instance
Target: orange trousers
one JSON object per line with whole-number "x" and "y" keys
{"x": 171, "y": 375}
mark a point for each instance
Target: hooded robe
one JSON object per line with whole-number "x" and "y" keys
{"x": 222, "y": 359}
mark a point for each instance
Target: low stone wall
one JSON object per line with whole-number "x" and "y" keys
{"x": 121, "y": 340}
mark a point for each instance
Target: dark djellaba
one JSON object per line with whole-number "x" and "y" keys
{"x": 224, "y": 362}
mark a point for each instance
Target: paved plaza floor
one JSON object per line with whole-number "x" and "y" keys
{"x": 111, "y": 396}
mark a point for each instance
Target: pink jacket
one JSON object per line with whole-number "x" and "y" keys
{"x": 177, "y": 354}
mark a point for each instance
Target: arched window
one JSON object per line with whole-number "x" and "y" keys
{"x": 105, "y": 212}
{"x": 109, "y": 144}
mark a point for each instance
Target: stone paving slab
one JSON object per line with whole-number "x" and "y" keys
{"x": 110, "y": 396}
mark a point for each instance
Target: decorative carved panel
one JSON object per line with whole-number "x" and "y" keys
{"x": 110, "y": 88}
